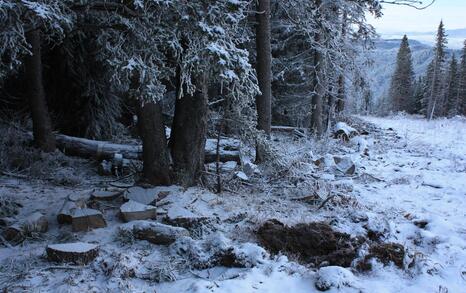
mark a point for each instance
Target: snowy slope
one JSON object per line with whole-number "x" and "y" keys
{"x": 414, "y": 172}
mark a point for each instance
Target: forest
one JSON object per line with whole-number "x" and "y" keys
{"x": 229, "y": 146}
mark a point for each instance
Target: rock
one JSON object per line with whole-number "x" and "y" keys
{"x": 87, "y": 219}
{"x": 78, "y": 253}
{"x": 133, "y": 210}
{"x": 314, "y": 242}
{"x": 345, "y": 165}
{"x": 36, "y": 222}
{"x": 106, "y": 194}
{"x": 141, "y": 195}
{"x": 334, "y": 277}
{"x": 344, "y": 131}
{"x": 153, "y": 232}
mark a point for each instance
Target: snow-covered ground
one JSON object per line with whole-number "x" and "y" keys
{"x": 410, "y": 186}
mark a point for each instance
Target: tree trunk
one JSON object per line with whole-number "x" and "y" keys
{"x": 105, "y": 150}
{"x": 264, "y": 66}
{"x": 340, "y": 104}
{"x": 188, "y": 137}
{"x": 264, "y": 73}
{"x": 42, "y": 126}
{"x": 155, "y": 154}
{"x": 316, "y": 101}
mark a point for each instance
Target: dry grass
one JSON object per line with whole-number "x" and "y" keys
{"x": 19, "y": 157}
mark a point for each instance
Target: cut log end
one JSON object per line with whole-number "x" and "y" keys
{"x": 77, "y": 253}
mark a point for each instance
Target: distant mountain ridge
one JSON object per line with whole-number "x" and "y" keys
{"x": 384, "y": 61}
{"x": 456, "y": 37}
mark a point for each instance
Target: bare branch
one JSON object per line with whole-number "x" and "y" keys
{"x": 419, "y": 5}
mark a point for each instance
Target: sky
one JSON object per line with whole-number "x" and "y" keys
{"x": 398, "y": 20}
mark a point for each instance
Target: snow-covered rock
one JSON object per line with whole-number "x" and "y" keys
{"x": 334, "y": 277}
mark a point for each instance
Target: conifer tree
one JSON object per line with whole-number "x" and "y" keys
{"x": 462, "y": 83}
{"x": 451, "y": 93}
{"x": 436, "y": 73}
{"x": 401, "y": 89}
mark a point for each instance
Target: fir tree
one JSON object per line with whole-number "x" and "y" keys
{"x": 418, "y": 95}
{"x": 401, "y": 89}
{"x": 435, "y": 75}
{"x": 462, "y": 83}
{"x": 451, "y": 93}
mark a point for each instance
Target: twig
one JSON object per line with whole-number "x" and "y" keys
{"x": 326, "y": 201}
{"x": 64, "y": 268}
{"x": 13, "y": 174}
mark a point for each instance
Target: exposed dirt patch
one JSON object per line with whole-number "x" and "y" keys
{"x": 385, "y": 253}
{"x": 315, "y": 243}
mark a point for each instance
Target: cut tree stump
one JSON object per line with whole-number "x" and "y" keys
{"x": 78, "y": 253}
{"x": 17, "y": 233}
{"x": 133, "y": 211}
{"x": 104, "y": 150}
{"x": 142, "y": 195}
{"x": 37, "y": 222}
{"x": 106, "y": 194}
{"x": 87, "y": 219}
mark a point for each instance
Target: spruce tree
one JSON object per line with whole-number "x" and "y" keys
{"x": 401, "y": 89}
{"x": 462, "y": 83}
{"x": 418, "y": 95}
{"x": 451, "y": 93}
{"x": 436, "y": 73}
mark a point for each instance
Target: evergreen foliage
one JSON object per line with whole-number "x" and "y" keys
{"x": 401, "y": 89}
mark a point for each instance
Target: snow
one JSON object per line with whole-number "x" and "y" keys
{"x": 134, "y": 206}
{"x": 417, "y": 172}
{"x": 78, "y": 247}
{"x": 332, "y": 276}
{"x": 85, "y": 212}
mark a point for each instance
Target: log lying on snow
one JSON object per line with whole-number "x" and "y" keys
{"x": 229, "y": 149}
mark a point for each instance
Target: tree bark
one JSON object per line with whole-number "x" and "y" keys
{"x": 42, "y": 126}
{"x": 155, "y": 153}
{"x": 104, "y": 150}
{"x": 316, "y": 100}
{"x": 188, "y": 137}
{"x": 264, "y": 66}
{"x": 264, "y": 72}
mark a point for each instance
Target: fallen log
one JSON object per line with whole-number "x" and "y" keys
{"x": 104, "y": 150}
